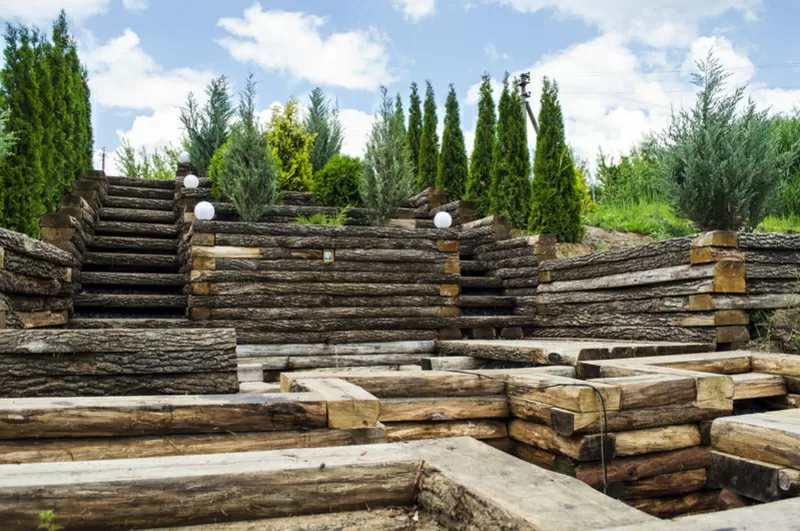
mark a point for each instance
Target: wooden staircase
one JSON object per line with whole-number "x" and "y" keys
{"x": 131, "y": 275}
{"x": 483, "y": 307}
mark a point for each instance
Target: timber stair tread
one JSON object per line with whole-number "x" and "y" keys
{"x": 137, "y": 215}
{"x": 142, "y": 193}
{"x": 129, "y": 300}
{"x": 132, "y": 260}
{"x": 133, "y": 243}
{"x": 486, "y": 301}
{"x": 139, "y": 229}
{"x": 133, "y": 322}
{"x": 141, "y": 183}
{"x": 481, "y": 282}
{"x": 138, "y": 203}
{"x": 90, "y": 278}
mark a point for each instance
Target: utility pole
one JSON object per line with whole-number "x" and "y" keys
{"x": 524, "y": 81}
{"x": 103, "y": 166}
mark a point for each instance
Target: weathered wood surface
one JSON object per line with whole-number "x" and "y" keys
{"x": 140, "y": 183}
{"x": 658, "y": 261}
{"x": 670, "y": 484}
{"x": 322, "y": 349}
{"x": 27, "y": 285}
{"x": 671, "y": 507}
{"x": 773, "y": 271}
{"x": 129, "y": 300}
{"x": 751, "y": 478}
{"x": 630, "y": 253}
{"x": 533, "y": 455}
{"x": 683, "y": 288}
{"x": 25, "y": 245}
{"x": 131, "y": 279}
{"x": 24, "y": 265}
{"x": 28, "y": 303}
{"x": 637, "y": 467}
{"x": 318, "y": 288}
{"x": 416, "y": 431}
{"x": 144, "y": 193}
{"x": 766, "y": 256}
{"x": 328, "y": 277}
{"x": 565, "y": 393}
{"x": 666, "y": 333}
{"x": 274, "y": 229}
{"x": 452, "y": 362}
{"x": 316, "y": 301}
{"x": 120, "y": 341}
{"x": 324, "y": 242}
{"x": 647, "y": 390}
{"x": 138, "y": 229}
{"x": 655, "y": 305}
{"x": 644, "y": 320}
{"x": 136, "y": 215}
{"x": 295, "y": 363}
{"x": 134, "y": 244}
{"x": 443, "y": 408}
{"x": 314, "y": 263}
{"x": 757, "y": 385}
{"x": 343, "y": 255}
{"x": 348, "y": 405}
{"x": 772, "y": 437}
{"x": 158, "y": 415}
{"x": 770, "y": 240}
{"x": 245, "y": 337}
{"x": 377, "y": 325}
{"x": 654, "y": 440}
{"x": 642, "y": 278}
{"x": 117, "y": 203}
{"x": 164, "y": 261}
{"x": 586, "y": 448}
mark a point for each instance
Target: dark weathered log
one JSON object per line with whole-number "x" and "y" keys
{"x": 516, "y": 272}
{"x": 131, "y": 279}
{"x": 766, "y": 256}
{"x": 140, "y": 183}
{"x": 331, "y": 313}
{"x": 671, "y": 484}
{"x": 306, "y": 301}
{"x": 322, "y": 242}
{"x": 505, "y": 254}
{"x": 754, "y": 479}
{"x": 134, "y": 244}
{"x": 632, "y": 280}
{"x": 347, "y": 255}
{"x": 512, "y": 263}
{"x": 280, "y": 363}
{"x": 348, "y": 336}
{"x": 480, "y": 282}
{"x": 770, "y": 240}
{"x": 116, "y": 385}
{"x": 138, "y": 203}
{"x": 653, "y": 333}
{"x": 129, "y": 323}
{"x": 521, "y": 282}
{"x": 136, "y": 215}
{"x": 27, "y": 285}
{"x": 132, "y": 260}
{"x": 325, "y": 277}
{"x": 241, "y": 264}
{"x": 145, "y": 193}
{"x": 165, "y": 362}
{"x": 677, "y": 505}
{"x": 661, "y": 260}
{"x": 269, "y": 229}
{"x": 641, "y": 466}
{"x": 758, "y": 286}
{"x": 683, "y": 288}
{"x": 138, "y": 229}
{"x": 320, "y": 288}
{"x": 578, "y": 448}
{"x": 133, "y": 341}
{"x": 773, "y": 271}
{"x": 24, "y": 265}
{"x": 519, "y": 292}
{"x": 630, "y": 253}
{"x": 660, "y": 305}
{"x": 581, "y": 318}
{"x": 325, "y": 325}
{"x": 27, "y": 303}
{"x": 129, "y": 300}
{"x": 22, "y": 244}
{"x": 486, "y": 301}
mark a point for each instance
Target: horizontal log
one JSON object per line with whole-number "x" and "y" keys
{"x": 770, "y": 240}
{"x": 322, "y": 349}
{"x": 414, "y": 431}
{"x": 657, "y": 261}
{"x": 670, "y": 507}
{"x": 28, "y": 285}
{"x": 317, "y": 288}
{"x": 139, "y": 229}
{"x": 565, "y": 393}
{"x": 328, "y": 325}
{"x": 327, "y": 277}
{"x": 121, "y": 341}
{"x": 25, "y": 245}
{"x": 756, "y": 385}
{"x": 332, "y": 313}
{"x": 147, "y": 193}
{"x": 750, "y": 478}
{"x": 452, "y": 362}
{"x": 132, "y": 300}
{"x": 443, "y": 409}
{"x": 766, "y": 437}
{"x": 117, "y": 202}
{"x": 586, "y": 448}
{"x": 637, "y": 467}
{"x": 323, "y": 242}
{"x": 115, "y": 385}
{"x": 134, "y": 244}
{"x": 140, "y": 183}
{"x": 280, "y": 363}
{"x": 533, "y": 455}
{"x": 671, "y": 484}
{"x": 626, "y": 254}
{"x": 654, "y": 440}
{"x": 768, "y": 256}
{"x": 316, "y": 301}
{"x": 245, "y": 264}
{"x": 163, "y": 261}
{"x": 273, "y": 229}
{"x": 668, "y": 333}
{"x": 25, "y": 265}
{"x": 644, "y": 320}
{"x": 684, "y": 288}
{"x": 32, "y": 303}
{"x": 637, "y": 306}
{"x": 334, "y": 337}
{"x": 641, "y": 278}
{"x": 757, "y": 271}
{"x": 762, "y": 286}
{"x": 110, "y": 278}
{"x": 136, "y": 215}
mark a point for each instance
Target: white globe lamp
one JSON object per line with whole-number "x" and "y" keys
{"x": 204, "y": 210}
{"x": 184, "y": 158}
{"x": 191, "y": 181}
{"x": 442, "y": 220}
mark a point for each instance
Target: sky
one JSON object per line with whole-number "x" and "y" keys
{"x": 621, "y": 65}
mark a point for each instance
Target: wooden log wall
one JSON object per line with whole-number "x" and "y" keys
{"x": 663, "y": 291}
{"x": 133, "y": 362}
{"x": 271, "y": 283}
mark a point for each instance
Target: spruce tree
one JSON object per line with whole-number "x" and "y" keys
{"x": 453, "y": 166}
{"x": 555, "y": 205}
{"x": 208, "y": 128}
{"x": 323, "y": 122}
{"x": 480, "y": 170}
{"x": 414, "y": 130}
{"x": 22, "y": 169}
{"x": 428, "y": 143}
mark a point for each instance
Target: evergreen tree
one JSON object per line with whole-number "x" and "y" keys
{"x": 453, "y": 166}
{"x": 323, "y": 122}
{"x": 7, "y": 139}
{"x": 64, "y": 167}
{"x": 555, "y": 203}
{"x": 428, "y": 143}
{"x": 387, "y": 179}
{"x": 82, "y": 136}
{"x": 414, "y": 131}
{"x": 291, "y": 145}
{"x": 208, "y": 128}
{"x": 499, "y": 149}
{"x": 53, "y": 187}
{"x": 480, "y": 170}
{"x": 21, "y": 171}
{"x": 401, "y": 115}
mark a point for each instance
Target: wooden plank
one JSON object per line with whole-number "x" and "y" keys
{"x": 757, "y": 385}
{"x": 442, "y": 409}
{"x": 750, "y": 478}
{"x": 444, "y": 363}
{"x": 324, "y": 349}
{"x": 43, "y": 318}
{"x": 587, "y": 448}
{"x": 634, "y": 279}
{"x": 654, "y": 440}
{"x": 533, "y": 455}
{"x": 647, "y": 390}
{"x": 349, "y": 406}
{"x": 566, "y": 393}
{"x": 671, "y": 507}
{"x": 772, "y": 437}
{"x": 783, "y": 364}
{"x": 670, "y": 484}
{"x": 273, "y": 363}
{"x": 642, "y": 466}
{"x": 477, "y": 429}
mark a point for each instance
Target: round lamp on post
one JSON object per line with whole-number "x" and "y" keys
{"x": 204, "y": 210}
{"x": 191, "y": 181}
{"x": 442, "y": 220}
{"x": 184, "y": 158}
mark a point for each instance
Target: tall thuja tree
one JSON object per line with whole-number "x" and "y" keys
{"x": 399, "y": 113}
{"x": 555, "y": 203}
{"x": 80, "y": 107}
{"x": 65, "y": 166}
{"x": 515, "y": 189}
{"x": 428, "y": 143}
{"x": 452, "y": 170}
{"x": 388, "y": 179}
{"x": 207, "y": 128}
{"x": 53, "y": 187}
{"x": 22, "y": 169}
{"x": 414, "y": 130}
{"x": 323, "y": 122}
{"x": 480, "y": 171}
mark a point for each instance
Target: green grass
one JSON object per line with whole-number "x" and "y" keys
{"x": 780, "y": 224}
{"x": 651, "y": 219}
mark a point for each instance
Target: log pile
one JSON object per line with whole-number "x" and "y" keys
{"x": 663, "y": 291}
{"x": 272, "y": 282}
{"x": 64, "y": 363}
{"x": 37, "y": 282}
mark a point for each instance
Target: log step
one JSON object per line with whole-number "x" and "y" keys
{"x": 474, "y": 266}
{"x": 137, "y": 322}
{"x": 132, "y": 214}
{"x": 129, "y": 300}
{"x": 131, "y": 279}
{"x": 132, "y": 260}
{"x": 481, "y": 282}
{"x": 139, "y": 203}
{"x": 137, "y": 229}
{"x": 142, "y": 183}
{"x": 486, "y": 301}
{"x": 134, "y": 244}
{"x": 144, "y": 193}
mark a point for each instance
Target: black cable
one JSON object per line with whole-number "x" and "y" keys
{"x": 526, "y": 387}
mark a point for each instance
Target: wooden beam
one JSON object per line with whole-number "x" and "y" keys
{"x": 477, "y": 429}
{"x": 654, "y": 440}
{"x": 757, "y": 385}
{"x": 753, "y": 479}
{"x": 442, "y": 409}
{"x": 768, "y": 437}
{"x": 587, "y": 448}
{"x": 349, "y": 406}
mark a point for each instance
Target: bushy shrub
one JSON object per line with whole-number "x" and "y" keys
{"x": 719, "y": 156}
{"x": 337, "y": 220}
{"x": 786, "y": 135}
{"x": 248, "y": 174}
{"x": 337, "y": 183}
{"x": 159, "y": 165}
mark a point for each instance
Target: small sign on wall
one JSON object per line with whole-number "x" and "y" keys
{"x": 328, "y": 256}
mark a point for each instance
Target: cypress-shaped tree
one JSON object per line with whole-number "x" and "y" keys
{"x": 399, "y": 114}
{"x": 480, "y": 171}
{"x": 291, "y": 145}
{"x": 555, "y": 205}
{"x": 453, "y": 165}
{"x": 22, "y": 169}
{"x": 323, "y": 122}
{"x": 499, "y": 149}
{"x": 207, "y": 128}
{"x": 414, "y": 130}
{"x": 64, "y": 170}
{"x": 48, "y": 121}
{"x": 81, "y": 109}
{"x": 428, "y": 143}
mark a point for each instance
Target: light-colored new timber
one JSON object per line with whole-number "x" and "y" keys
{"x": 654, "y": 440}
{"x": 757, "y": 385}
{"x": 772, "y": 437}
{"x": 443, "y": 408}
{"x": 349, "y": 406}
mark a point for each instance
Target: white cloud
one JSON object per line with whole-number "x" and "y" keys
{"x": 136, "y": 5}
{"x": 659, "y": 23}
{"x": 494, "y": 55}
{"x": 357, "y": 127}
{"x": 152, "y": 132}
{"x": 293, "y": 42}
{"x": 474, "y": 92}
{"x": 415, "y": 10}
{"x": 122, "y": 74}
{"x": 43, "y": 12}
{"x": 736, "y": 62}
